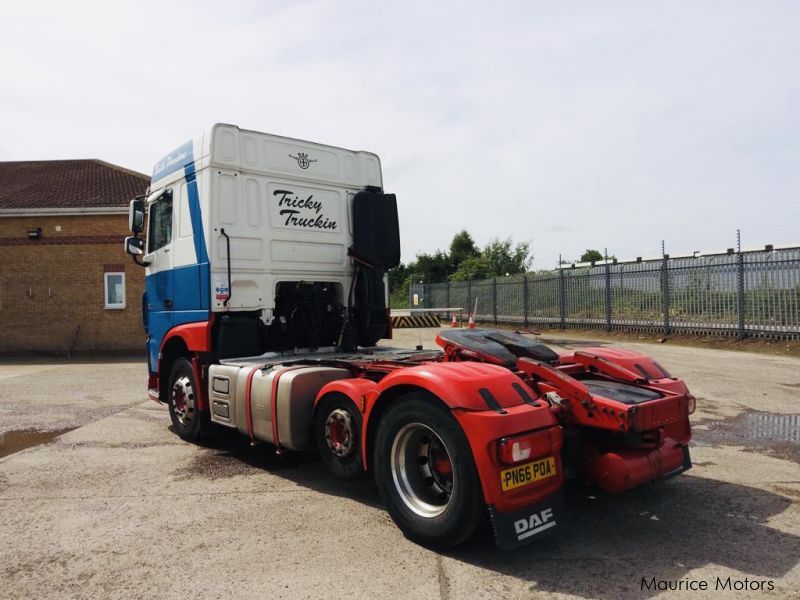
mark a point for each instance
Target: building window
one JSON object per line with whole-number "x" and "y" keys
{"x": 115, "y": 290}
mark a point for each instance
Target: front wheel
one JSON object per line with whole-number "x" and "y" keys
{"x": 426, "y": 474}
{"x": 189, "y": 423}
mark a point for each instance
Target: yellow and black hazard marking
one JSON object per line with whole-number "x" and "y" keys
{"x": 415, "y": 321}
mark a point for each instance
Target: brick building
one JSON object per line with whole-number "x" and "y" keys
{"x": 66, "y": 284}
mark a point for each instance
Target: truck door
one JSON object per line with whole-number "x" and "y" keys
{"x": 159, "y": 281}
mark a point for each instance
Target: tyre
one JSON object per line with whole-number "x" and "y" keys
{"x": 189, "y": 423}
{"x": 426, "y": 474}
{"x": 337, "y": 429}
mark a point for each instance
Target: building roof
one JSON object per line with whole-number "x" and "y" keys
{"x": 65, "y": 185}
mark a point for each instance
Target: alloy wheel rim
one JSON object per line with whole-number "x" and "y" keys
{"x": 183, "y": 399}
{"x": 422, "y": 470}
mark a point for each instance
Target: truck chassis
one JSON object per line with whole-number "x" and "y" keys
{"x": 493, "y": 424}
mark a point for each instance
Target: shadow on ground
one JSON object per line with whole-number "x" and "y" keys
{"x": 662, "y": 531}
{"x": 230, "y": 455}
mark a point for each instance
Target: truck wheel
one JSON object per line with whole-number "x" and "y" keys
{"x": 337, "y": 428}
{"x": 426, "y": 474}
{"x": 189, "y": 423}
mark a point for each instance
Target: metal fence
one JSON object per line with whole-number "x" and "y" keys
{"x": 744, "y": 294}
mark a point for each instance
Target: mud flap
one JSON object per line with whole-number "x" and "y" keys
{"x": 687, "y": 464}
{"x": 530, "y": 523}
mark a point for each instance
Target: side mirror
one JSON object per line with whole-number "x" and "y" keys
{"x": 136, "y": 217}
{"x": 376, "y": 232}
{"x": 134, "y": 246}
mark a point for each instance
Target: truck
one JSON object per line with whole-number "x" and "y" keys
{"x": 265, "y": 301}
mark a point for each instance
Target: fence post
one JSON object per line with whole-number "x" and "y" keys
{"x": 740, "y": 282}
{"x": 525, "y": 300}
{"x": 608, "y": 295}
{"x": 469, "y": 299}
{"x": 494, "y": 299}
{"x": 665, "y": 291}
{"x": 562, "y": 313}
{"x": 447, "y": 292}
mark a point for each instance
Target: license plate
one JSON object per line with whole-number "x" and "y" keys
{"x": 528, "y": 473}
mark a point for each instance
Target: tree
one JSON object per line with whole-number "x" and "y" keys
{"x": 498, "y": 258}
{"x": 474, "y": 267}
{"x": 431, "y": 267}
{"x": 439, "y": 266}
{"x": 591, "y": 256}
{"x": 462, "y": 248}
{"x": 502, "y": 259}
{"x": 464, "y": 261}
{"x": 397, "y": 277}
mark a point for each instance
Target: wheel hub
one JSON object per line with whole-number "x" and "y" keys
{"x": 183, "y": 399}
{"x": 422, "y": 470}
{"x": 340, "y": 432}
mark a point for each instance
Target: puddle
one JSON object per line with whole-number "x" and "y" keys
{"x": 772, "y": 427}
{"x": 14, "y": 441}
{"x": 778, "y": 433}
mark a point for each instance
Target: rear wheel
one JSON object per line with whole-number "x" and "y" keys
{"x": 337, "y": 429}
{"x": 426, "y": 474}
{"x": 189, "y": 423}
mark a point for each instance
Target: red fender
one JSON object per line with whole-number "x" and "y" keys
{"x": 196, "y": 336}
{"x": 489, "y": 402}
{"x": 357, "y": 389}
{"x": 201, "y": 392}
{"x": 460, "y": 385}
{"x": 635, "y": 363}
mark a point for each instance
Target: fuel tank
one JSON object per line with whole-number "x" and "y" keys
{"x": 280, "y": 399}
{"x": 626, "y": 468}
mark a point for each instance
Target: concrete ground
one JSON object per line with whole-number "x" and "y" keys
{"x": 121, "y": 507}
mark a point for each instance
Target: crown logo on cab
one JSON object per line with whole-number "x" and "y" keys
{"x": 302, "y": 159}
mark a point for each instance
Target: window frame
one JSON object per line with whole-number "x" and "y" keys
{"x": 118, "y": 305}
{"x": 165, "y": 197}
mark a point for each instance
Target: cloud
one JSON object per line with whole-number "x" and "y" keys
{"x": 574, "y": 125}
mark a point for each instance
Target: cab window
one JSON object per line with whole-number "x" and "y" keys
{"x": 160, "y": 222}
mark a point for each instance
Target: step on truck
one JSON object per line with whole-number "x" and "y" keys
{"x": 266, "y": 297}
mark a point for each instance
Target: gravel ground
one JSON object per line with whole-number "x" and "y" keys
{"x": 120, "y": 507}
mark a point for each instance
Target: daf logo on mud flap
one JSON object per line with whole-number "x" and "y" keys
{"x": 302, "y": 159}
{"x": 534, "y": 524}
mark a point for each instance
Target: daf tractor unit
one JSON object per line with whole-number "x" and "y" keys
{"x": 266, "y": 296}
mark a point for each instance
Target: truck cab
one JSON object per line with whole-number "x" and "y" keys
{"x": 257, "y": 243}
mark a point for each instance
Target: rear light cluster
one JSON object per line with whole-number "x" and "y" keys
{"x": 535, "y": 444}
{"x": 691, "y": 404}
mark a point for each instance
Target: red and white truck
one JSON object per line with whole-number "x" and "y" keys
{"x": 266, "y": 261}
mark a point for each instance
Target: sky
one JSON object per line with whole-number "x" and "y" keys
{"x": 569, "y": 125}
